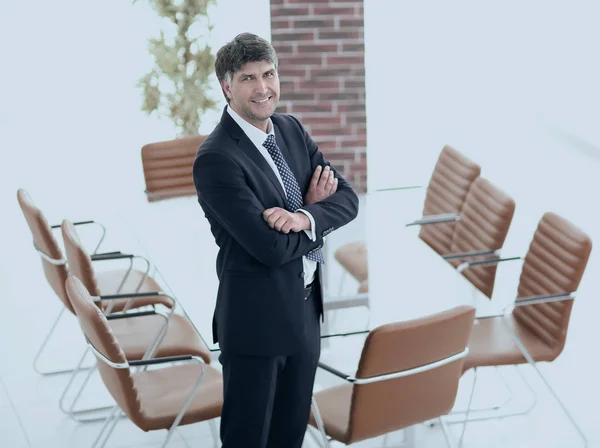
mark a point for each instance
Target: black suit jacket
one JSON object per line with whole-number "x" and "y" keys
{"x": 260, "y": 301}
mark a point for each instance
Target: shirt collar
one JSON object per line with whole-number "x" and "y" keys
{"x": 255, "y": 135}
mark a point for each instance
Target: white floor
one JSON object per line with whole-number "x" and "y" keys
{"x": 29, "y": 414}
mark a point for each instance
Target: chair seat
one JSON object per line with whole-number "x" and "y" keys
{"x": 109, "y": 281}
{"x": 137, "y": 333}
{"x": 163, "y": 392}
{"x": 353, "y": 257}
{"x": 491, "y": 344}
{"x": 334, "y": 406}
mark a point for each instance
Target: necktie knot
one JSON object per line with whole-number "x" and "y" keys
{"x": 270, "y": 143}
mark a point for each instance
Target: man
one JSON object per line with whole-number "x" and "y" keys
{"x": 270, "y": 199}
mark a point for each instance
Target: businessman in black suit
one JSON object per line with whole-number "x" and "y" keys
{"x": 270, "y": 198}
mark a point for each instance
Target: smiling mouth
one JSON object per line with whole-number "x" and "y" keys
{"x": 264, "y": 100}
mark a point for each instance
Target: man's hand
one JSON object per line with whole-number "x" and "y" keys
{"x": 322, "y": 185}
{"x": 286, "y": 222}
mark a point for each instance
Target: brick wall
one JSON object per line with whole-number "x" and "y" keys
{"x": 320, "y": 46}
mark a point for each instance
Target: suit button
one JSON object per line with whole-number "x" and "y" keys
{"x": 302, "y": 274}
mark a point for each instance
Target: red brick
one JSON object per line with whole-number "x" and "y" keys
{"x": 334, "y": 10}
{"x": 331, "y": 71}
{"x": 352, "y": 23}
{"x": 287, "y": 85}
{"x": 285, "y": 36}
{"x": 317, "y": 48}
{"x": 303, "y": 60}
{"x": 337, "y": 156}
{"x": 353, "y": 47}
{"x": 289, "y": 70}
{"x": 321, "y": 121}
{"x": 282, "y": 108}
{"x": 355, "y": 117}
{"x": 300, "y": 22}
{"x": 357, "y": 83}
{"x": 346, "y": 60}
{"x": 284, "y": 11}
{"x": 281, "y": 24}
{"x": 352, "y": 141}
{"x": 320, "y": 83}
{"x": 352, "y": 107}
{"x": 312, "y": 108}
{"x": 329, "y": 130}
{"x": 333, "y": 96}
{"x": 326, "y": 144}
{"x": 335, "y": 35}
{"x": 293, "y": 96}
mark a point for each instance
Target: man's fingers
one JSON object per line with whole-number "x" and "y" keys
{"x": 268, "y": 212}
{"x": 315, "y": 177}
{"x": 324, "y": 177}
{"x": 334, "y": 186}
{"x": 288, "y": 226}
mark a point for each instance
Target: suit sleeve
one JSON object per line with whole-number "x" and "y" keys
{"x": 224, "y": 194}
{"x": 338, "y": 209}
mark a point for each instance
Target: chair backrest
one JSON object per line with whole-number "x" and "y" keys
{"x": 555, "y": 262}
{"x": 380, "y": 407}
{"x": 353, "y": 257}
{"x": 119, "y": 382}
{"x": 44, "y": 241}
{"x": 168, "y": 167}
{"x": 450, "y": 181}
{"x": 80, "y": 263}
{"x": 485, "y": 219}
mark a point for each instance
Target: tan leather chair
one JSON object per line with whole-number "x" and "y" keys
{"x": 353, "y": 258}
{"x": 450, "y": 181}
{"x": 146, "y": 333}
{"x": 168, "y": 167}
{"x": 485, "y": 219}
{"x": 56, "y": 271}
{"x": 408, "y": 373}
{"x": 446, "y": 192}
{"x": 152, "y": 399}
{"x": 534, "y": 328}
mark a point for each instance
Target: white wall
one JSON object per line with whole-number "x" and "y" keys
{"x": 69, "y": 109}
{"x": 483, "y": 76}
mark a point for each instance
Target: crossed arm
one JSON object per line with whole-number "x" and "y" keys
{"x": 273, "y": 236}
{"x": 224, "y": 194}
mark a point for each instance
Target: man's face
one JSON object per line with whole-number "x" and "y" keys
{"x": 254, "y": 92}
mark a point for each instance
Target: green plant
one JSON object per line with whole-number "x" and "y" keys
{"x": 178, "y": 85}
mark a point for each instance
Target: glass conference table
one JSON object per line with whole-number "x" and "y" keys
{"x": 407, "y": 279}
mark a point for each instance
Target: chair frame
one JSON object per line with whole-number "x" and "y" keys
{"x": 399, "y": 374}
{"x": 81, "y": 415}
{"x": 112, "y": 420}
{"x": 60, "y": 262}
{"x": 527, "y": 301}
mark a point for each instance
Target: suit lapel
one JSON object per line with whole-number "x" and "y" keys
{"x": 247, "y": 147}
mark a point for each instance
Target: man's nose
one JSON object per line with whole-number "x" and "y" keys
{"x": 261, "y": 86}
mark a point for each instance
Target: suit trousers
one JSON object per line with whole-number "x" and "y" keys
{"x": 266, "y": 399}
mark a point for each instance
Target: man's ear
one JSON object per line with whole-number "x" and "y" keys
{"x": 226, "y": 88}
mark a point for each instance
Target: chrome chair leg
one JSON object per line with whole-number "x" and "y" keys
{"x": 81, "y": 415}
{"x": 446, "y": 432}
{"x": 490, "y": 415}
{"x": 107, "y": 428}
{"x": 320, "y": 423}
{"x": 43, "y": 347}
{"x": 462, "y": 434}
{"x": 533, "y": 364}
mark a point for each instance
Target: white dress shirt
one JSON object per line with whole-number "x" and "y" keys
{"x": 258, "y": 137}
